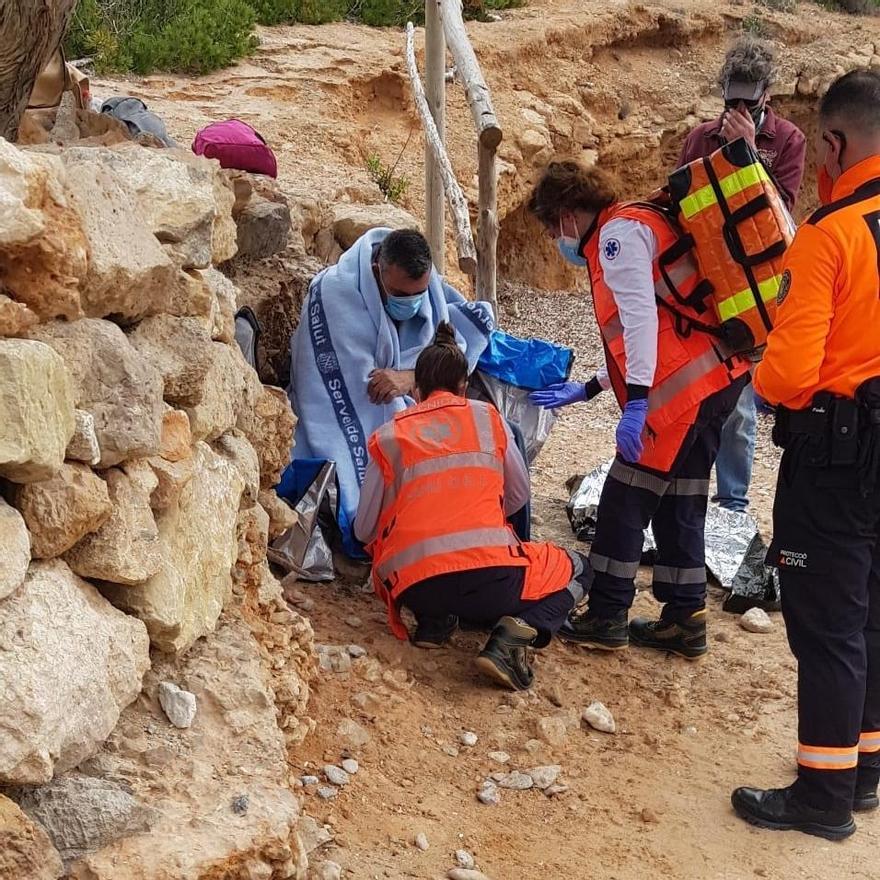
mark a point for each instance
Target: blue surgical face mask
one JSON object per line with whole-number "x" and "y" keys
{"x": 569, "y": 247}
{"x": 402, "y": 308}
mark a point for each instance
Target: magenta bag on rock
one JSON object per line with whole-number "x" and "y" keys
{"x": 236, "y": 145}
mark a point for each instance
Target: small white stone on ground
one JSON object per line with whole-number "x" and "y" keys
{"x": 350, "y": 766}
{"x": 555, "y": 790}
{"x": 421, "y": 841}
{"x": 489, "y": 794}
{"x": 327, "y": 792}
{"x": 352, "y": 734}
{"x": 599, "y": 718}
{"x": 328, "y": 871}
{"x": 756, "y": 620}
{"x": 499, "y": 757}
{"x": 178, "y": 705}
{"x": 336, "y": 775}
{"x": 466, "y": 874}
{"x": 354, "y": 621}
{"x": 468, "y": 738}
{"x": 517, "y": 781}
{"x": 544, "y": 777}
{"x": 452, "y": 751}
{"x": 552, "y": 730}
{"x": 356, "y": 651}
{"x": 309, "y": 780}
{"x": 465, "y": 859}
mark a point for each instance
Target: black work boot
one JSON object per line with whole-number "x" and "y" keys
{"x": 592, "y": 631}
{"x": 506, "y": 655}
{"x": 779, "y": 810}
{"x": 434, "y": 632}
{"x": 687, "y": 637}
{"x": 865, "y": 797}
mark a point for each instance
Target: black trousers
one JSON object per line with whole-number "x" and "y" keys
{"x": 485, "y": 595}
{"x": 825, "y": 543}
{"x": 674, "y": 503}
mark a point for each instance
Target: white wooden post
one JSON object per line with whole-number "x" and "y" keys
{"x": 435, "y": 92}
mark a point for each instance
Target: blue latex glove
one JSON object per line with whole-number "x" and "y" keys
{"x": 629, "y": 430}
{"x": 559, "y": 394}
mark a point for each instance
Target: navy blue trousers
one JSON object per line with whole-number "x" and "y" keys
{"x": 825, "y": 543}
{"x": 674, "y": 503}
{"x": 483, "y": 596}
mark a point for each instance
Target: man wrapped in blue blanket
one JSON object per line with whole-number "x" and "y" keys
{"x": 363, "y": 324}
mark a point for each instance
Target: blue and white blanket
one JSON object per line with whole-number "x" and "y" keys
{"x": 344, "y": 333}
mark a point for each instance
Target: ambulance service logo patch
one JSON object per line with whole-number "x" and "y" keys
{"x": 784, "y": 285}
{"x": 612, "y": 249}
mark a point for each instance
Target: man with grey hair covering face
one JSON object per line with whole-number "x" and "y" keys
{"x": 745, "y": 79}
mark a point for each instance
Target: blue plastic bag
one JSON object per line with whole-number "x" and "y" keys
{"x": 526, "y": 363}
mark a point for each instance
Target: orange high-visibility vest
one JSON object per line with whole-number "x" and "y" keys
{"x": 691, "y": 365}
{"x": 442, "y": 464}
{"x": 740, "y": 227}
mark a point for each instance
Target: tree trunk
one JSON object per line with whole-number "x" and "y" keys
{"x": 30, "y": 31}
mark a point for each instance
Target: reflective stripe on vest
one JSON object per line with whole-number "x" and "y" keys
{"x": 683, "y": 378}
{"x": 457, "y": 541}
{"x": 744, "y": 300}
{"x": 734, "y": 183}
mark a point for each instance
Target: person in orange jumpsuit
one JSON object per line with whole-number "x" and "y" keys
{"x": 822, "y": 370}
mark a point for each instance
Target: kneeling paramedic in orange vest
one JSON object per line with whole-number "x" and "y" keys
{"x": 822, "y": 369}
{"x": 676, "y": 387}
{"x": 442, "y": 477}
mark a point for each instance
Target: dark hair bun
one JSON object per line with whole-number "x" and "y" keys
{"x": 445, "y": 334}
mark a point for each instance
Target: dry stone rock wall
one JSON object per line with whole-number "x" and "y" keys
{"x": 138, "y": 452}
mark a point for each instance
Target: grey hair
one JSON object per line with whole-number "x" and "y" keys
{"x": 749, "y": 60}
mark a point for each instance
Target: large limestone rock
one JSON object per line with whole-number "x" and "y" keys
{"x": 43, "y": 250}
{"x": 116, "y": 385}
{"x": 69, "y": 664}
{"x": 126, "y": 548}
{"x": 281, "y": 514}
{"x": 235, "y": 447}
{"x": 351, "y": 221}
{"x": 26, "y": 853}
{"x": 183, "y": 601}
{"x": 183, "y": 352}
{"x": 269, "y": 425}
{"x": 263, "y": 228}
{"x": 15, "y": 550}
{"x": 232, "y": 392}
{"x": 175, "y": 197}
{"x": 209, "y": 380}
{"x": 176, "y": 436}
{"x": 63, "y": 509}
{"x": 15, "y": 318}
{"x": 81, "y": 814}
{"x": 36, "y": 410}
{"x": 225, "y": 305}
{"x": 129, "y": 274}
{"x": 233, "y": 755}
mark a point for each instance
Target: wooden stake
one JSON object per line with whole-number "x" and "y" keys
{"x": 464, "y": 240}
{"x": 487, "y": 228}
{"x": 435, "y": 93}
{"x": 468, "y": 68}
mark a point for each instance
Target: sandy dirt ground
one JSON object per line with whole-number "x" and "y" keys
{"x": 651, "y": 800}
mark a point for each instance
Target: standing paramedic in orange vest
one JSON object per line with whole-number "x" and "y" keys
{"x": 442, "y": 477}
{"x": 676, "y": 388}
{"x": 822, "y": 369}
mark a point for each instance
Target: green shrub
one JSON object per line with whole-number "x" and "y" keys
{"x": 205, "y": 35}
{"x": 197, "y": 36}
{"x": 393, "y": 187}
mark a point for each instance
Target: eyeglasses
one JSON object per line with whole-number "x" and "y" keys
{"x": 389, "y": 291}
